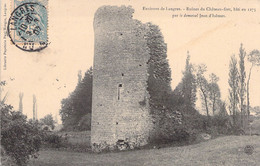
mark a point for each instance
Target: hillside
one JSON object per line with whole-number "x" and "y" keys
{"x": 228, "y": 150}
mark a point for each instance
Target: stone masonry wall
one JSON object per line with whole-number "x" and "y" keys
{"x": 120, "y": 103}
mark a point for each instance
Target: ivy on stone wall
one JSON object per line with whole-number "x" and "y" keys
{"x": 165, "y": 119}
{"x": 158, "y": 67}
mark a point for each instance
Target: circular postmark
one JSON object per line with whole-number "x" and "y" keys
{"x": 27, "y": 27}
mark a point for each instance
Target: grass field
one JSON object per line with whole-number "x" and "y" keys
{"x": 228, "y": 150}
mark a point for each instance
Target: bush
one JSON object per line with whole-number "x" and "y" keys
{"x": 72, "y": 141}
{"x": 166, "y": 124}
{"x": 53, "y": 140}
{"x": 192, "y": 125}
{"x": 21, "y": 139}
{"x": 220, "y": 125}
{"x": 5, "y": 159}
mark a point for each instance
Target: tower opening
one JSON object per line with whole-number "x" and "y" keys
{"x": 119, "y": 91}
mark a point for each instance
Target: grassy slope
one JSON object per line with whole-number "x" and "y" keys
{"x": 226, "y": 150}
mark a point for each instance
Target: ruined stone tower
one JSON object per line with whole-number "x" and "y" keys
{"x": 120, "y": 103}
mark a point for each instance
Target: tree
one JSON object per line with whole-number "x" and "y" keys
{"x": 78, "y": 103}
{"x": 242, "y": 84}
{"x": 203, "y": 86}
{"x": 85, "y": 122}
{"x": 79, "y": 76}
{"x": 233, "y": 88}
{"x": 34, "y": 108}
{"x": 2, "y": 84}
{"x": 67, "y": 113}
{"x": 214, "y": 92}
{"x": 21, "y": 102}
{"x": 48, "y": 120}
{"x": 189, "y": 88}
{"x": 254, "y": 59}
{"x": 177, "y": 96}
{"x": 223, "y": 108}
{"x": 20, "y": 138}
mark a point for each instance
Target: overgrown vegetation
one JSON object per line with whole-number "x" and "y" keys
{"x": 164, "y": 118}
{"x": 21, "y": 139}
{"x": 67, "y": 141}
{"x": 53, "y": 140}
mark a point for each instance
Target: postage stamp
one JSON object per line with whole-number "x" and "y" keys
{"x": 28, "y": 24}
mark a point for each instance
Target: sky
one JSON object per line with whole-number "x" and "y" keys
{"x": 51, "y": 74}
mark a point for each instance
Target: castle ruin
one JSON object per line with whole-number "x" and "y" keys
{"x": 120, "y": 103}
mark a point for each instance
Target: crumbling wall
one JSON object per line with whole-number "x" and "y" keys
{"x": 120, "y": 103}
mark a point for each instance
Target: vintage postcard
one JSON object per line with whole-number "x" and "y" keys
{"x": 130, "y": 82}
